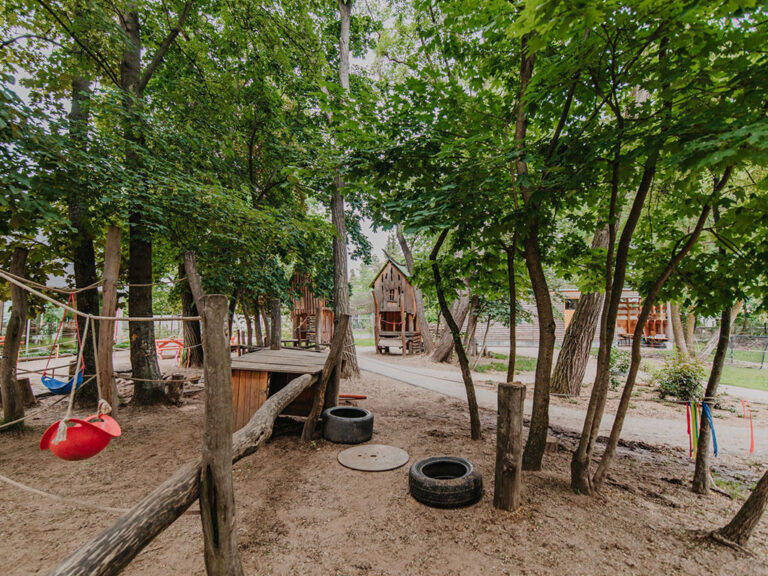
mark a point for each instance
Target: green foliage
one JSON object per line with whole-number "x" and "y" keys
{"x": 620, "y": 361}
{"x": 681, "y": 377}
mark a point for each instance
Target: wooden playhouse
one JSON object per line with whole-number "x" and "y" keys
{"x": 394, "y": 310}
{"x": 311, "y": 317}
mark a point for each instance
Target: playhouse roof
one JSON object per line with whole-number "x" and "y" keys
{"x": 394, "y": 263}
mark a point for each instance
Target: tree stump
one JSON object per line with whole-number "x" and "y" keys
{"x": 174, "y": 390}
{"x": 27, "y": 396}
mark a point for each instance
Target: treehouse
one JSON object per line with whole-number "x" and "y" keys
{"x": 311, "y": 318}
{"x": 394, "y": 311}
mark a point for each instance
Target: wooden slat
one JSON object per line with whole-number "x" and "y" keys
{"x": 245, "y": 384}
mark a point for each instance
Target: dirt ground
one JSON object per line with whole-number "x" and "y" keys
{"x": 300, "y": 512}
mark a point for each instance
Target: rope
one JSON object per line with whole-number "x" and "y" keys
{"x": 61, "y": 429}
{"x": 70, "y": 291}
{"x": 71, "y": 501}
{"x": 32, "y": 414}
{"x": 12, "y": 280}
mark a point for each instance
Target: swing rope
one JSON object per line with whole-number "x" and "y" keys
{"x": 58, "y": 334}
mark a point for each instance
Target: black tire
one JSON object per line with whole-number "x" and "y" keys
{"x": 445, "y": 482}
{"x": 347, "y": 425}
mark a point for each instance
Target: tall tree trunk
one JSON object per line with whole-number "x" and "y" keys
{"x": 148, "y": 386}
{"x": 275, "y": 336}
{"x": 511, "y": 253}
{"x": 469, "y": 337}
{"x": 466, "y": 374}
{"x": 257, "y": 324}
{"x": 248, "y": 328}
{"x": 340, "y": 276}
{"x": 231, "y": 312}
{"x": 701, "y": 473}
{"x": 190, "y": 328}
{"x": 626, "y": 395}
{"x": 677, "y": 330}
{"x": 688, "y": 334}
{"x": 459, "y": 309}
{"x": 83, "y": 256}
{"x": 10, "y": 391}
{"x": 539, "y": 427}
{"x": 267, "y": 329}
{"x": 421, "y": 316}
{"x": 743, "y": 524}
{"x": 577, "y": 342}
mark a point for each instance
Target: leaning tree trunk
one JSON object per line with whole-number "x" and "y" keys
{"x": 701, "y": 473}
{"x": 577, "y": 342}
{"x": 193, "y": 342}
{"x": 466, "y": 374}
{"x": 83, "y": 256}
{"x": 469, "y": 337}
{"x": 677, "y": 329}
{"x": 10, "y": 391}
{"x": 421, "y": 316}
{"x": 340, "y": 276}
{"x": 743, "y": 524}
{"x": 539, "y": 427}
{"x": 458, "y": 309}
{"x": 688, "y": 333}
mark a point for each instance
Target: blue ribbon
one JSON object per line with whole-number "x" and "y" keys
{"x": 708, "y": 413}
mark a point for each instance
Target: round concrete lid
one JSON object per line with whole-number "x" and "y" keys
{"x": 373, "y": 457}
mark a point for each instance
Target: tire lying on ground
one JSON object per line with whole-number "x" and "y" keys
{"x": 445, "y": 482}
{"x": 347, "y": 425}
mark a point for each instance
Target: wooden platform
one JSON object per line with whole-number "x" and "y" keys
{"x": 288, "y": 361}
{"x": 260, "y": 374}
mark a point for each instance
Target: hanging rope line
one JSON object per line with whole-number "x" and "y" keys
{"x": 34, "y": 284}
{"x": 20, "y": 284}
{"x": 35, "y": 413}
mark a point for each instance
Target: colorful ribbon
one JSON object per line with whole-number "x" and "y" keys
{"x": 708, "y": 413}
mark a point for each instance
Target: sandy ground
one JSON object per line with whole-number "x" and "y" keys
{"x": 300, "y": 512}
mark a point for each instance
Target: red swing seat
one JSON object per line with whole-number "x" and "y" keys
{"x": 85, "y": 438}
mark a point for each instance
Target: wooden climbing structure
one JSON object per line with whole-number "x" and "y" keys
{"x": 394, "y": 305}
{"x": 311, "y": 317}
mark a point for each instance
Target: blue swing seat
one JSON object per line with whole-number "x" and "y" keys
{"x": 63, "y": 386}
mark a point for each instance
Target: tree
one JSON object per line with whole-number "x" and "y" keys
{"x": 740, "y": 528}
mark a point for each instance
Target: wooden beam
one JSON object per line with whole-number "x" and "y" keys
{"x": 332, "y": 363}
{"x": 104, "y": 363}
{"x": 217, "y": 495}
{"x": 509, "y": 446}
{"x": 111, "y": 551}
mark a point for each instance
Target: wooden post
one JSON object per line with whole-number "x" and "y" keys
{"x": 174, "y": 389}
{"x": 403, "y": 318}
{"x": 13, "y": 406}
{"x": 27, "y": 396}
{"x": 509, "y": 446}
{"x": 108, "y": 387}
{"x": 217, "y": 496}
{"x": 276, "y": 336}
{"x": 332, "y": 365}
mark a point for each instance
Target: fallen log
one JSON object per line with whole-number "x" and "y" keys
{"x": 112, "y": 550}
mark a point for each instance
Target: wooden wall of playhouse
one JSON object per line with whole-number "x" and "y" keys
{"x": 394, "y": 304}
{"x": 311, "y": 317}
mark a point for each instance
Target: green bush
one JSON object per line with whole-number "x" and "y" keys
{"x": 620, "y": 361}
{"x": 681, "y": 377}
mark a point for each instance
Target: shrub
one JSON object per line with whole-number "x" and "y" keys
{"x": 620, "y": 361}
{"x": 681, "y": 377}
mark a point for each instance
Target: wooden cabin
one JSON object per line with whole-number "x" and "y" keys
{"x": 394, "y": 311}
{"x": 258, "y": 375}
{"x": 311, "y": 317}
{"x": 654, "y": 331}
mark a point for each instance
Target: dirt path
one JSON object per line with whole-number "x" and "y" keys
{"x": 733, "y": 438}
